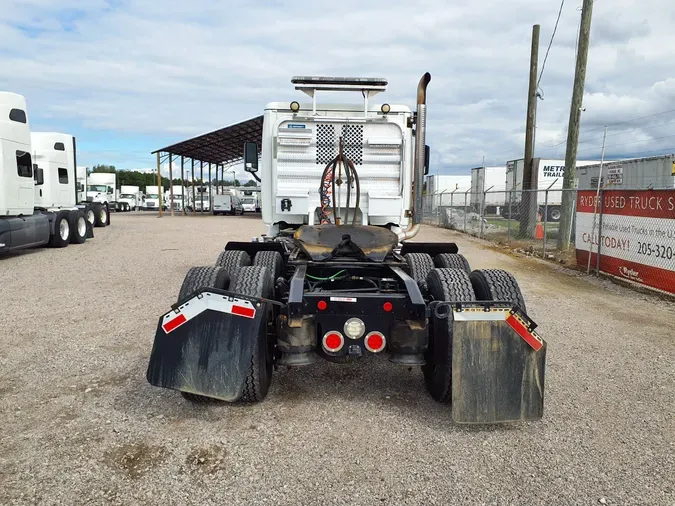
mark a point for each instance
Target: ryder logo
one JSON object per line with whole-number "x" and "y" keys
{"x": 629, "y": 273}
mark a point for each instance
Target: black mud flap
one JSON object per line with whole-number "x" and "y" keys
{"x": 498, "y": 364}
{"x": 204, "y": 345}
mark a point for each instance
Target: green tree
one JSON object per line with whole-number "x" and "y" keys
{"x": 251, "y": 182}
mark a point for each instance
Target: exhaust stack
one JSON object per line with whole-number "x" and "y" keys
{"x": 418, "y": 170}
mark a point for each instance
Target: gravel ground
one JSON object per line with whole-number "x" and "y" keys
{"x": 81, "y": 425}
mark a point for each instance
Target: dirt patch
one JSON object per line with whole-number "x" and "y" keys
{"x": 135, "y": 459}
{"x": 207, "y": 460}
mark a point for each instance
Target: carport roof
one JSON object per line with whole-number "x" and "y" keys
{"x": 224, "y": 146}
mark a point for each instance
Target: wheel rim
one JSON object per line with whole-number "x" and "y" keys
{"x": 82, "y": 226}
{"x": 103, "y": 215}
{"x": 555, "y": 214}
{"x": 64, "y": 229}
{"x": 90, "y": 216}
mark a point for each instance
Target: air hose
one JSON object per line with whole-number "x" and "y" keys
{"x": 328, "y": 182}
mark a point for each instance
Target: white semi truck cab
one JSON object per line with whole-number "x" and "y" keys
{"x": 299, "y": 141}
{"x": 130, "y": 199}
{"x": 38, "y": 184}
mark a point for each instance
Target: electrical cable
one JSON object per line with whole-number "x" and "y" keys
{"x": 550, "y": 43}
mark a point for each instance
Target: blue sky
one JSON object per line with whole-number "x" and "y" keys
{"x": 127, "y": 77}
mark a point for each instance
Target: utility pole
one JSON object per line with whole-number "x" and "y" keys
{"x": 171, "y": 182}
{"x": 568, "y": 197}
{"x": 528, "y": 202}
{"x": 182, "y": 183}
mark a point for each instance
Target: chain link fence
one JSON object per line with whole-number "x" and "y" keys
{"x": 629, "y": 234}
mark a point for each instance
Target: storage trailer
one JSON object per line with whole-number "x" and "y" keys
{"x": 38, "y": 185}
{"x": 654, "y": 172}
{"x": 337, "y": 277}
{"x": 488, "y": 190}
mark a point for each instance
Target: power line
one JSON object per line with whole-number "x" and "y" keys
{"x": 550, "y": 43}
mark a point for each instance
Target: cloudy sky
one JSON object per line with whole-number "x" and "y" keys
{"x": 127, "y": 77}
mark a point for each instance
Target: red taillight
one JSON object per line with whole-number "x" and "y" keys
{"x": 333, "y": 341}
{"x": 321, "y": 305}
{"x": 387, "y": 306}
{"x": 375, "y": 342}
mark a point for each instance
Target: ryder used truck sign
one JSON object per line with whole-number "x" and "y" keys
{"x": 637, "y": 239}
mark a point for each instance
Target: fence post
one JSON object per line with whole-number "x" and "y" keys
{"x": 508, "y": 237}
{"x": 452, "y": 206}
{"x": 465, "y": 195}
{"x": 602, "y": 206}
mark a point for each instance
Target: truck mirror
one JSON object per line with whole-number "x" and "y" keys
{"x": 39, "y": 176}
{"x": 110, "y": 189}
{"x": 251, "y": 157}
{"x": 427, "y": 152}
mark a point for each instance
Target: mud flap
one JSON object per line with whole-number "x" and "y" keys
{"x": 204, "y": 345}
{"x": 498, "y": 364}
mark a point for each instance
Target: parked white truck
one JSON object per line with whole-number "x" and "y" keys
{"x": 101, "y": 189}
{"x": 549, "y": 177}
{"x": 152, "y": 198}
{"x": 202, "y": 198}
{"x": 131, "y": 198}
{"x": 38, "y": 185}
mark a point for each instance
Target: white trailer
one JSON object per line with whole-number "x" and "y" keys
{"x": 131, "y": 198}
{"x": 549, "y": 177}
{"x": 655, "y": 172}
{"x": 488, "y": 189}
{"x": 37, "y": 185}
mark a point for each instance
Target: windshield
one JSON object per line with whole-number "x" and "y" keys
{"x": 127, "y": 196}
{"x": 152, "y": 196}
{"x": 249, "y": 201}
{"x": 97, "y": 188}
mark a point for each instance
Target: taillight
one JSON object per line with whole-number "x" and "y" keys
{"x": 375, "y": 342}
{"x": 333, "y": 341}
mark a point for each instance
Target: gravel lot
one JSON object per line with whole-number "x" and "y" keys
{"x": 80, "y": 424}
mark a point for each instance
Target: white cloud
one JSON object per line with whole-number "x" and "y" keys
{"x": 167, "y": 70}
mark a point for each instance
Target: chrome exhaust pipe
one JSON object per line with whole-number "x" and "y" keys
{"x": 418, "y": 170}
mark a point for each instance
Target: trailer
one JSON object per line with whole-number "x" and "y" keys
{"x": 654, "y": 172}
{"x": 549, "y": 175}
{"x": 130, "y": 198}
{"x": 488, "y": 190}
{"x": 38, "y": 185}
{"x": 337, "y": 277}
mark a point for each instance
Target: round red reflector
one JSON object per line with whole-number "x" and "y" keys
{"x": 387, "y": 306}
{"x": 374, "y": 342}
{"x": 321, "y": 305}
{"x": 332, "y": 341}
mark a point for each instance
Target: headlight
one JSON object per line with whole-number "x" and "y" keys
{"x": 295, "y": 106}
{"x": 354, "y": 328}
{"x": 385, "y": 108}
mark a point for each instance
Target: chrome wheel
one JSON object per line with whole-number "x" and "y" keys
{"x": 64, "y": 229}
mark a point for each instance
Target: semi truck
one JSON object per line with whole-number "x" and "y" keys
{"x": 130, "y": 198}
{"x": 101, "y": 189}
{"x": 336, "y": 277}
{"x": 38, "y": 186}
{"x": 549, "y": 177}
{"x": 488, "y": 190}
{"x": 202, "y": 198}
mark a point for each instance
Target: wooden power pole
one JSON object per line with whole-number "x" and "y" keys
{"x": 568, "y": 197}
{"x": 528, "y": 210}
{"x": 159, "y": 186}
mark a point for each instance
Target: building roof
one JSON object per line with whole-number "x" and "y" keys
{"x": 224, "y": 146}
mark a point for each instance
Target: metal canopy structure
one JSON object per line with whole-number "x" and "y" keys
{"x": 222, "y": 147}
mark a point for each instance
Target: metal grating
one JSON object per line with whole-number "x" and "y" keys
{"x": 325, "y": 143}
{"x": 352, "y": 143}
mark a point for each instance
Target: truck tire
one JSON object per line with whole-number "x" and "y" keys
{"x": 91, "y": 215}
{"x": 200, "y": 277}
{"x": 452, "y": 261}
{"x": 420, "y": 265}
{"x": 100, "y": 215}
{"x": 446, "y": 285}
{"x": 78, "y": 227}
{"x": 255, "y": 281}
{"x": 553, "y": 214}
{"x": 497, "y": 284}
{"x": 107, "y": 221}
{"x": 232, "y": 261}
{"x": 272, "y": 260}
{"x": 62, "y": 231}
